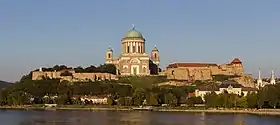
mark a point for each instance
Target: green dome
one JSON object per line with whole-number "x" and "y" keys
{"x": 133, "y": 34}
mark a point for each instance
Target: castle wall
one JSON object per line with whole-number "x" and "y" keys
{"x": 38, "y": 75}
{"x": 180, "y": 73}
{"x": 202, "y": 71}
{"x": 93, "y": 76}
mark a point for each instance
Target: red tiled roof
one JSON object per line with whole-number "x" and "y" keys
{"x": 236, "y": 61}
{"x": 176, "y": 65}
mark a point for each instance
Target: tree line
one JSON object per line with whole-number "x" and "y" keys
{"x": 266, "y": 97}
{"x": 127, "y": 91}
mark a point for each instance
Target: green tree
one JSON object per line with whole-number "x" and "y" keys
{"x": 3, "y": 97}
{"x": 170, "y": 99}
{"x": 211, "y": 100}
{"x": 66, "y": 73}
{"x": 182, "y": 100}
{"x": 108, "y": 68}
{"x": 138, "y": 96}
{"x": 194, "y": 100}
{"x": 18, "y": 98}
{"x": 152, "y": 99}
{"x": 79, "y": 69}
{"x": 252, "y": 99}
{"x": 272, "y": 96}
{"x": 242, "y": 102}
{"x": 110, "y": 101}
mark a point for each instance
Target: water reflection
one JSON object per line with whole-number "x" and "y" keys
{"x": 10, "y": 117}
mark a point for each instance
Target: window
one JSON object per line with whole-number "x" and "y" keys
{"x": 134, "y": 70}
{"x": 133, "y": 49}
{"x": 128, "y": 49}
{"x": 109, "y": 55}
{"x": 144, "y": 69}
{"x": 155, "y": 55}
{"x": 139, "y": 49}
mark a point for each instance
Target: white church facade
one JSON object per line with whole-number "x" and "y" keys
{"x": 261, "y": 83}
{"x": 134, "y": 59}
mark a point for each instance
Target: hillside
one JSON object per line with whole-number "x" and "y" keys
{"x": 4, "y": 84}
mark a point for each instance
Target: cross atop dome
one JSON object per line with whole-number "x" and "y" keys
{"x": 133, "y": 26}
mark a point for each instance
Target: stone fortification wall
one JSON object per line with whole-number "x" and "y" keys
{"x": 39, "y": 75}
{"x": 203, "y": 71}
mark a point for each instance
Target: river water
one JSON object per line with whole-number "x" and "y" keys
{"x": 22, "y": 117}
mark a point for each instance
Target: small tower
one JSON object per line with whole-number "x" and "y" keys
{"x": 109, "y": 56}
{"x": 272, "y": 79}
{"x": 40, "y": 69}
{"x": 259, "y": 81}
{"x": 154, "y": 62}
{"x": 155, "y": 56}
{"x": 237, "y": 66}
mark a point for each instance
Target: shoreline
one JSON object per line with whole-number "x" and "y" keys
{"x": 274, "y": 112}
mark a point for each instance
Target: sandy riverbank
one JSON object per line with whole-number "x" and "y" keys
{"x": 158, "y": 109}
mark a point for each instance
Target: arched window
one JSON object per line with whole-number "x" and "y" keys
{"x": 125, "y": 69}
{"x": 144, "y": 70}
{"x": 155, "y": 55}
{"x": 109, "y": 55}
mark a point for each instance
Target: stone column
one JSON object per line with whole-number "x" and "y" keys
{"x": 140, "y": 51}
{"x": 143, "y": 47}
{"x": 131, "y": 48}
{"x": 136, "y": 47}
{"x": 140, "y": 47}
{"x": 125, "y": 47}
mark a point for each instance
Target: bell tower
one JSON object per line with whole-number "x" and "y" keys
{"x": 109, "y": 56}
{"x": 155, "y": 56}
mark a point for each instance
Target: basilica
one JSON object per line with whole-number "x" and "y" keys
{"x": 134, "y": 59}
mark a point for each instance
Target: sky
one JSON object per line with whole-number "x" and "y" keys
{"x": 41, "y": 33}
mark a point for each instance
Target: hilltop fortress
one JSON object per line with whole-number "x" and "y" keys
{"x": 207, "y": 71}
{"x": 134, "y": 61}
{"x": 203, "y": 71}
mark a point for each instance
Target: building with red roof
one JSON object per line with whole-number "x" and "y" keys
{"x": 203, "y": 71}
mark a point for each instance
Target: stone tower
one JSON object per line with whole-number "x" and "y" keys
{"x": 237, "y": 67}
{"x": 109, "y": 56}
{"x": 155, "y": 56}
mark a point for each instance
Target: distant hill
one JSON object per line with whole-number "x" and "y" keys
{"x": 4, "y": 84}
